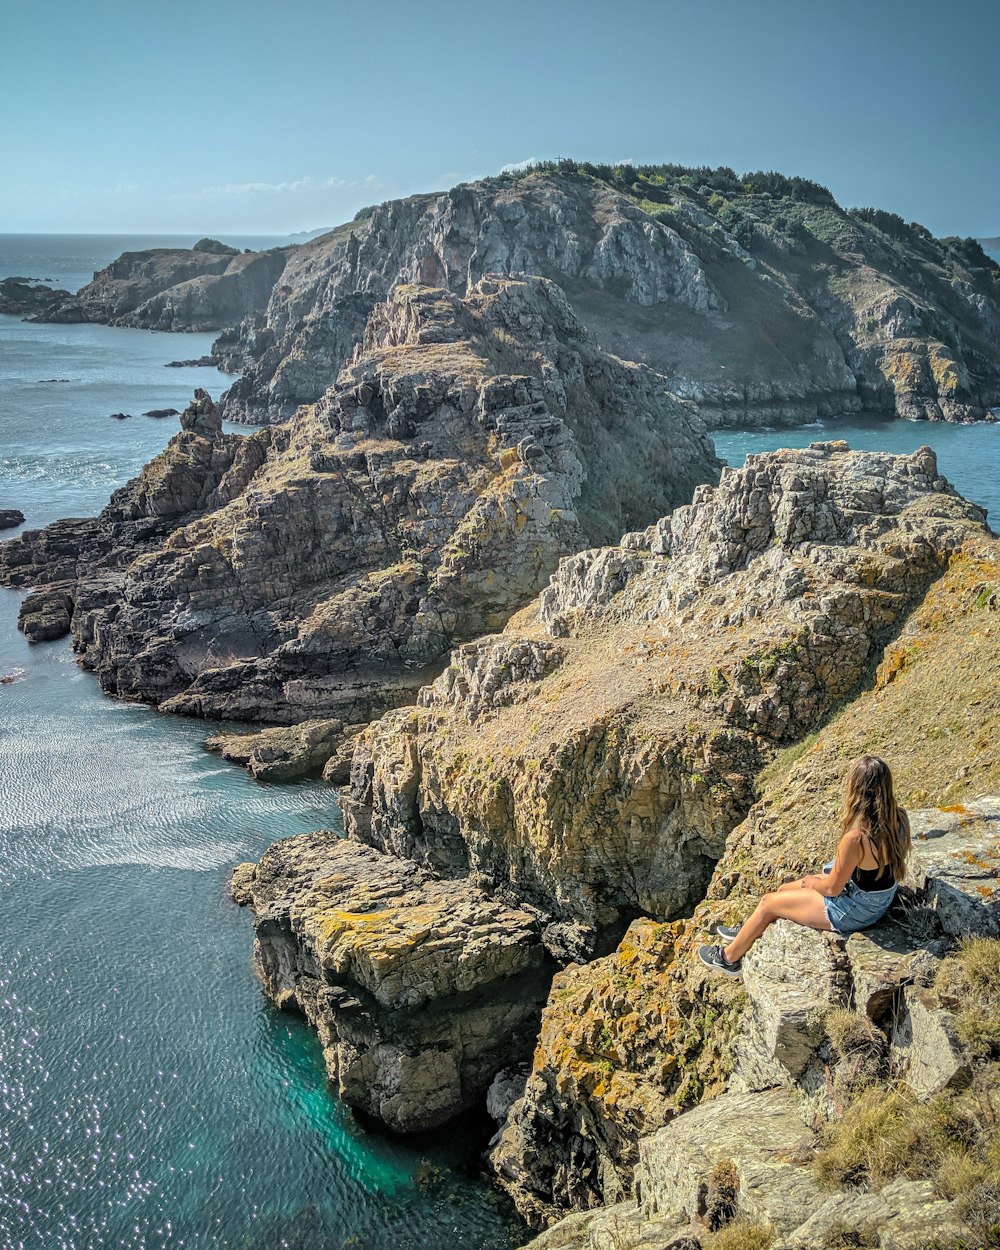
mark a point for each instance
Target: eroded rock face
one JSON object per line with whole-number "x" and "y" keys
{"x": 763, "y": 335}
{"x": 323, "y": 571}
{"x": 197, "y": 289}
{"x": 594, "y": 758}
{"x": 421, "y": 990}
{"x": 79, "y": 564}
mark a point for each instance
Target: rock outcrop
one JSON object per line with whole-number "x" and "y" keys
{"x": 23, "y": 297}
{"x": 634, "y": 1040}
{"x": 421, "y": 990}
{"x": 207, "y": 287}
{"x": 11, "y": 518}
{"x": 594, "y": 758}
{"x": 589, "y": 765}
{"x": 323, "y": 571}
{"x": 763, "y": 306}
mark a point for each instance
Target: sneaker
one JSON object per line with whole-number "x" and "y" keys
{"x": 727, "y": 931}
{"x": 712, "y": 957}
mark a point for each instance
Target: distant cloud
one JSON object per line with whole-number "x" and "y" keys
{"x": 525, "y": 164}
{"x": 300, "y": 185}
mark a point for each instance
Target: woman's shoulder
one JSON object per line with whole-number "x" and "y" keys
{"x": 853, "y": 840}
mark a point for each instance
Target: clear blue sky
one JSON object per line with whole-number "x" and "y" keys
{"x": 270, "y": 117}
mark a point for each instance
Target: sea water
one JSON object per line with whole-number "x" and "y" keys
{"x": 150, "y": 1095}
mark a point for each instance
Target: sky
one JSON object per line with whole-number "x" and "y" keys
{"x": 267, "y": 117}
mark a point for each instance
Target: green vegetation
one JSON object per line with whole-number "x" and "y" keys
{"x": 656, "y": 181}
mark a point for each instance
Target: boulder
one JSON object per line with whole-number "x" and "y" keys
{"x": 759, "y": 1137}
{"x": 884, "y": 959}
{"x": 284, "y": 753}
{"x": 46, "y": 614}
{"x": 925, "y": 1048}
{"x": 955, "y": 863}
{"x": 793, "y": 977}
{"x": 10, "y": 518}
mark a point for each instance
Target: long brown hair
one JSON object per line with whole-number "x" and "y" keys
{"x": 870, "y": 805}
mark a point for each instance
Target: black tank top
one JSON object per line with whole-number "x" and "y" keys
{"x": 873, "y": 878}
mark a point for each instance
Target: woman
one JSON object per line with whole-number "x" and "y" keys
{"x": 855, "y": 888}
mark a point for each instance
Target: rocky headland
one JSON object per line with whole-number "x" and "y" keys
{"x": 636, "y": 755}
{"x": 325, "y": 568}
{"x": 758, "y": 296}
{"x": 207, "y": 287}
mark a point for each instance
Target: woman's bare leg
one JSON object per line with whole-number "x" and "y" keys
{"x": 805, "y": 907}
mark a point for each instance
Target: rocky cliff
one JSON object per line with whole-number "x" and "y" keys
{"x": 764, "y": 304}
{"x": 325, "y": 568}
{"x": 599, "y": 762}
{"x": 758, "y": 297}
{"x": 207, "y": 287}
{"x": 870, "y": 1063}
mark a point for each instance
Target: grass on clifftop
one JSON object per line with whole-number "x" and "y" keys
{"x": 933, "y": 714}
{"x": 953, "y": 1138}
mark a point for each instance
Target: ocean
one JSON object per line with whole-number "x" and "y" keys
{"x": 151, "y": 1096}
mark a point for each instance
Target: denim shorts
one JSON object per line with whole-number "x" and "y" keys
{"x": 855, "y": 908}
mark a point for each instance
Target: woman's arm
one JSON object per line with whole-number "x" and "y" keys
{"x": 849, "y": 855}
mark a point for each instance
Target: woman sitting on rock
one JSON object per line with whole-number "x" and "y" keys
{"x": 854, "y": 889}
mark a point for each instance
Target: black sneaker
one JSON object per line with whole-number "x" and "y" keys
{"x": 727, "y": 931}
{"x": 712, "y": 957}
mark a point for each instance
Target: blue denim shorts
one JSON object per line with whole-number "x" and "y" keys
{"x": 855, "y": 908}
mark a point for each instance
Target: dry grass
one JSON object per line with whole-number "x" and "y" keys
{"x": 970, "y": 983}
{"x": 741, "y": 1235}
{"x": 880, "y": 1135}
{"x": 851, "y": 1031}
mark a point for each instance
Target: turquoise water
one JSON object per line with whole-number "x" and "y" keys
{"x": 968, "y": 455}
{"x": 150, "y": 1096}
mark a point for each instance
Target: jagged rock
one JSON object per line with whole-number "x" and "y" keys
{"x": 241, "y": 883}
{"x": 325, "y": 571}
{"x": 766, "y": 338}
{"x": 599, "y": 777}
{"x": 421, "y": 990}
{"x": 506, "y": 1089}
{"x": 45, "y": 614}
{"x": 201, "y": 416}
{"x": 10, "y": 518}
{"x": 618, "y": 1227}
{"x": 760, "y": 1136}
{"x": 905, "y": 1215}
{"x": 956, "y": 862}
{"x": 630, "y": 1040}
{"x": 26, "y": 297}
{"x": 925, "y": 1049}
{"x": 884, "y": 959}
{"x": 282, "y": 754}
